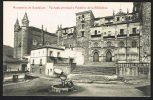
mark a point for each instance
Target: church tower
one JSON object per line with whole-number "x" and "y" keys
{"x": 16, "y": 32}
{"x": 24, "y": 39}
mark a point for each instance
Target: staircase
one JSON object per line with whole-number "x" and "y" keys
{"x": 94, "y": 70}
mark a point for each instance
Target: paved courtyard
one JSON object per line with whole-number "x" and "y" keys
{"x": 40, "y": 86}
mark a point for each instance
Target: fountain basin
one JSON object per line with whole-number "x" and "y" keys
{"x": 60, "y": 88}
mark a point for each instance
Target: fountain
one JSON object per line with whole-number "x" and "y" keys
{"x": 65, "y": 86}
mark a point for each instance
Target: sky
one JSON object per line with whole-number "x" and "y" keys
{"x": 51, "y": 18}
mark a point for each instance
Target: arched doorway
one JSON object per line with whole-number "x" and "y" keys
{"x": 108, "y": 56}
{"x": 96, "y": 57}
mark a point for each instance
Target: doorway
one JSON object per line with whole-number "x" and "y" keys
{"x": 96, "y": 57}
{"x": 24, "y": 67}
{"x": 108, "y": 56}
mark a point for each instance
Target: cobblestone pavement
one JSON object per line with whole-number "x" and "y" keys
{"x": 40, "y": 86}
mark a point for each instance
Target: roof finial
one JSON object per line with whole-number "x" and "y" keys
{"x": 113, "y": 12}
{"x": 127, "y": 11}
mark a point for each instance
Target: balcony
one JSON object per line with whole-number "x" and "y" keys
{"x": 98, "y": 35}
{"x": 134, "y": 34}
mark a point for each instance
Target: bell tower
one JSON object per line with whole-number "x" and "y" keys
{"x": 16, "y": 34}
{"x": 25, "y": 34}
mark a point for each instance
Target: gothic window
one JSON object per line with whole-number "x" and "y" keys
{"x": 95, "y": 44}
{"x": 134, "y": 44}
{"x": 34, "y": 42}
{"x": 82, "y": 33}
{"x": 108, "y": 43}
{"x": 121, "y": 31}
{"x": 121, "y": 44}
{"x": 134, "y": 30}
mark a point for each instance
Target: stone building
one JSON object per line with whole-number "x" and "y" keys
{"x": 45, "y": 59}
{"x": 105, "y": 39}
{"x": 28, "y": 37}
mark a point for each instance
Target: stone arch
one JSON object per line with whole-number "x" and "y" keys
{"x": 95, "y": 51}
{"x": 121, "y": 44}
{"x": 95, "y": 44}
{"x": 108, "y": 43}
{"x": 133, "y": 43}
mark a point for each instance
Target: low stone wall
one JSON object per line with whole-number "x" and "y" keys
{"x": 133, "y": 69}
{"x": 8, "y": 75}
{"x": 65, "y": 67}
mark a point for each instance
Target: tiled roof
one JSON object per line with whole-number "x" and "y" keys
{"x": 45, "y": 32}
{"x": 7, "y": 59}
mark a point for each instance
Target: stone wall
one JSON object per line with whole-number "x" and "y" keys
{"x": 146, "y": 28}
{"x": 36, "y": 69}
{"x": 65, "y": 67}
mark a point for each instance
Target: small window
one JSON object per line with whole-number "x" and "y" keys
{"x": 33, "y": 62}
{"x": 50, "y": 70}
{"x": 121, "y": 44}
{"x": 82, "y": 33}
{"x": 58, "y": 54}
{"x": 134, "y": 44}
{"x": 39, "y": 53}
{"x": 134, "y": 30}
{"x": 43, "y": 52}
{"x": 98, "y": 31}
{"x": 82, "y": 16}
{"x": 19, "y": 44}
{"x": 95, "y": 32}
{"x": 82, "y": 26}
{"x": 118, "y": 18}
{"x": 40, "y": 61}
{"x": 108, "y": 43}
{"x": 104, "y": 33}
{"x": 79, "y": 17}
{"x": 34, "y": 42}
{"x": 47, "y": 43}
{"x": 129, "y": 17}
{"x": 50, "y": 53}
{"x": 121, "y": 31}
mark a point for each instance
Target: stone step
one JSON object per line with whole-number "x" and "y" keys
{"x": 94, "y": 70}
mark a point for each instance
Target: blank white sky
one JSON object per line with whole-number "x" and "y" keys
{"x": 50, "y": 18}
